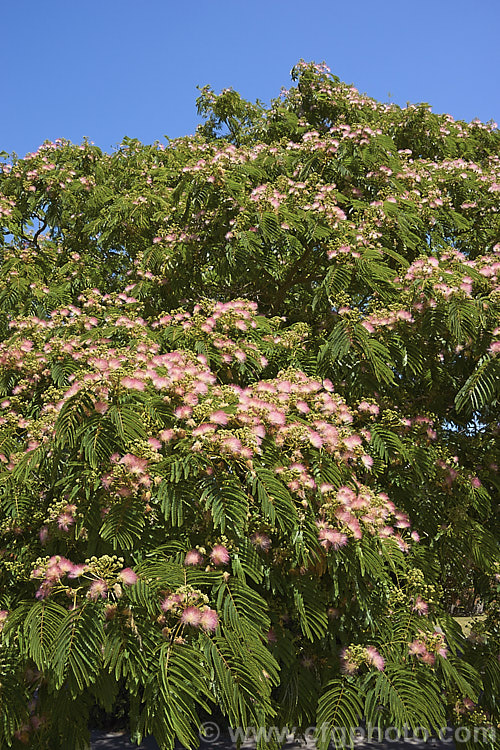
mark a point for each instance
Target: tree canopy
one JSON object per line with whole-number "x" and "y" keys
{"x": 249, "y": 423}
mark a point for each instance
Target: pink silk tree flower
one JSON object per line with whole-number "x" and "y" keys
{"x": 420, "y": 606}
{"x": 219, "y": 555}
{"x": 417, "y": 648}
{"x": 375, "y": 658}
{"x": 193, "y": 557}
{"x": 127, "y": 576}
{"x": 209, "y": 620}
{"x": 219, "y": 417}
{"x": 261, "y": 541}
{"x": 77, "y": 571}
{"x": 191, "y": 616}
{"x": 98, "y": 588}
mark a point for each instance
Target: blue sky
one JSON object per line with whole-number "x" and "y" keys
{"x": 109, "y": 68}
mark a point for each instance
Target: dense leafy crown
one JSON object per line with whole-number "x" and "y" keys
{"x": 249, "y": 422}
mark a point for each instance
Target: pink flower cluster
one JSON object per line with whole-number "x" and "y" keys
{"x": 329, "y": 537}
{"x": 52, "y": 570}
{"x": 218, "y": 556}
{"x": 66, "y": 518}
{"x": 189, "y": 607}
{"x": 223, "y": 326}
{"x": 420, "y": 606}
{"x": 444, "y": 276}
{"x": 427, "y": 646}
{"x": 357, "y": 511}
{"x": 353, "y": 657}
{"x": 207, "y": 618}
{"x": 129, "y": 475}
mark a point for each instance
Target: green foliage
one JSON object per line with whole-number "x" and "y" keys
{"x": 249, "y": 424}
